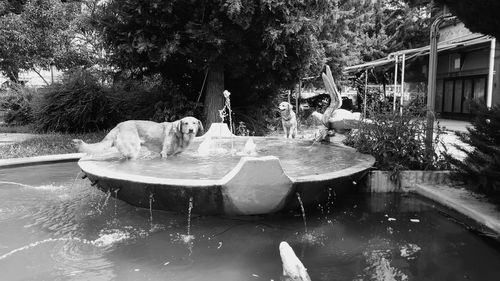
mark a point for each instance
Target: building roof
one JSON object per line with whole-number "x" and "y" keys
{"x": 455, "y": 43}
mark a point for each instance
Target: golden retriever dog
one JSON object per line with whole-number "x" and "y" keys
{"x": 288, "y": 119}
{"x": 167, "y": 138}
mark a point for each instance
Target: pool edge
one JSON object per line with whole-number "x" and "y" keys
{"x": 464, "y": 202}
{"x": 39, "y": 160}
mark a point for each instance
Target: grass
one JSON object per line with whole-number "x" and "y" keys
{"x": 47, "y": 144}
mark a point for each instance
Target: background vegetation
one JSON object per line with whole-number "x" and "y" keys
{"x": 398, "y": 141}
{"x": 193, "y": 50}
{"x": 481, "y": 167}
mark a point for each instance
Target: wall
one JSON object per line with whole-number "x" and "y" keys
{"x": 496, "y": 76}
{"x": 453, "y": 31}
{"x": 32, "y": 79}
{"x": 471, "y": 63}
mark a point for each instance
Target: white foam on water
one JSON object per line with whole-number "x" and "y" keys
{"x": 156, "y": 227}
{"x": 314, "y": 238}
{"x": 380, "y": 269}
{"x": 186, "y": 238}
{"x": 108, "y": 239}
{"x": 15, "y": 183}
{"x": 38, "y": 243}
{"x": 408, "y": 251}
{"x": 48, "y": 187}
{"x": 104, "y": 240}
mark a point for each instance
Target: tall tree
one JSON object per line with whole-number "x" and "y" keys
{"x": 35, "y": 34}
{"x": 354, "y": 33}
{"x": 365, "y": 30}
{"x": 256, "y": 42}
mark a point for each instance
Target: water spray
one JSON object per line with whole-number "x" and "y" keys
{"x": 225, "y": 112}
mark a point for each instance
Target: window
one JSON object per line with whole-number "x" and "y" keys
{"x": 454, "y": 95}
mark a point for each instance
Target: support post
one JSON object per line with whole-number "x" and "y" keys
{"x": 395, "y": 83}
{"x": 297, "y": 103}
{"x": 401, "y": 99}
{"x": 431, "y": 82}
{"x": 489, "y": 93}
{"x": 52, "y": 74}
{"x": 366, "y": 93}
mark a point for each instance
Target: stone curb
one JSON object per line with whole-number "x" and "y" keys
{"x": 379, "y": 181}
{"x": 36, "y": 160}
{"x": 465, "y": 202}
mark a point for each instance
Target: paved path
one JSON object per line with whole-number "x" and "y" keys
{"x": 10, "y": 138}
{"x": 450, "y": 139}
{"x": 470, "y": 204}
{"x": 454, "y": 125}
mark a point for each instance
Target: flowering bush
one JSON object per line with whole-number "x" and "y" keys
{"x": 398, "y": 141}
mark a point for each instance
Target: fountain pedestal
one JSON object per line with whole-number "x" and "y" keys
{"x": 256, "y": 186}
{"x": 218, "y": 130}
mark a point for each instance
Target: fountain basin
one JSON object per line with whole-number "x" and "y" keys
{"x": 231, "y": 184}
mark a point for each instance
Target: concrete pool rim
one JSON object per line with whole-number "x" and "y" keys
{"x": 39, "y": 160}
{"x": 237, "y": 192}
{"x": 366, "y": 163}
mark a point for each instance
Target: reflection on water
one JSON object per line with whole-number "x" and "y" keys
{"x": 53, "y": 227}
{"x": 300, "y": 159}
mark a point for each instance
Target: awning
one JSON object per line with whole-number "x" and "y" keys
{"x": 455, "y": 43}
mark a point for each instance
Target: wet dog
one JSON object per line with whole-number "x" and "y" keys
{"x": 288, "y": 119}
{"x": 167, "y": 138}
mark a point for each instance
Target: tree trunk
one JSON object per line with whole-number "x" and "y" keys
{"x": 214, "y": 99}
{"x": 13, "y": 75}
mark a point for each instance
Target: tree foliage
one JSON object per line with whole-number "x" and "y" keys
{"x": 358, "y": 30}
{"x": 397, "y": 141}
{"x": 274, "y": 37}
{"x": 258, "y": 45}
{"x": 362, "y": 31}
{"x": 478, "y": 15}
{"x": 481, "y": 166}
{"x": 36, "y": 34}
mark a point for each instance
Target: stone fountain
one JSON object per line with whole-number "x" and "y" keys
{"x": 221, "y": 173}
{"x": 233, "y": 183}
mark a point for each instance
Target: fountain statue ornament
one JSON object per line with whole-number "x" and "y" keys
{"x": 209, "y": 146}
{"x": 334, "y": 119}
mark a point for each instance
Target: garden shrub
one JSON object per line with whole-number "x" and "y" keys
{"x": 78, "y": 104}
{"x": 376, "y": 101}
{"x": 16, "y": 101}
{"x": 397, "y": 141}
{"x": 157, "y": 101}
{"x": 481, "y": 166}
{"x": 82, "y": 104}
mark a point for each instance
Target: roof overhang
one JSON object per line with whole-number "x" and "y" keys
{"x": 410, "y": 54}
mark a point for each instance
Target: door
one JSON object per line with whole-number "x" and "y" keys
{"x": 458, "y": 93}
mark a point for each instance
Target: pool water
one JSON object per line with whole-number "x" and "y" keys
{"x": 55, "y": 226}
{"x": 300, "y": 159}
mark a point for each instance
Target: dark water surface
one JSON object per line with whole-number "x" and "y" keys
{"x": 54, "y": 226}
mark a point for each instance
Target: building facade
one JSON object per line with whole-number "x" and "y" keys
{"x": 466, "y": 71}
